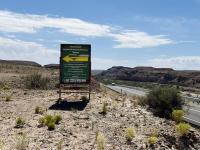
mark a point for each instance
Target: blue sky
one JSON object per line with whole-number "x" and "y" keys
{"x": 122, "y": 32}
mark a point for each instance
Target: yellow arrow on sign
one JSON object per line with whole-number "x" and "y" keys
{"x": 80, "y": 58}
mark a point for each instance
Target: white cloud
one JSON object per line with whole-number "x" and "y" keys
{"x": 15, "y": 49}
{"x": 180, "y": 63}
{"x": 27, "y": 23}
{"x": 136, "y": 39}
{"x": 16, "y": 22}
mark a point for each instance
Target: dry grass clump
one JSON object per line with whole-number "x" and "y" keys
{"x": 8, "y": 98}
{"x": 59, "y": 145}
{"x": 129, "y": 133}
{"x": 177, "y": 115}
{"x": 50, "y": 121}
{"x": 104, "y": 108}
{"x": 152, "y": 140}
{"x": 183, "y": 129}
{"x": 36, "y": 81}
{"x": 100, "y": 141}
{"x": 39, "y": 110}
{"x": 20, "y": 122}
{"x": 1, "y": 145}
{"x": 57, "y": 118}
{"x": 21, "y": 142}
{"x": 4, "y": 86}
{"x": 51, "y": 126}
{"x": 114, "y": 105}
{"x": 41, "y": 121}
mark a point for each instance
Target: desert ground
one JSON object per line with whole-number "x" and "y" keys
{"x": 81, "y": 121}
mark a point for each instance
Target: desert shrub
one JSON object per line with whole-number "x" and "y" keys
{"x": 57, "y": 118}
{"x": 182, "y": 129}
{"x": 114, "y": 105}
{"x": 51, "y": 126}
{"x": 49, "y": 119}
{"x": 59, "y": 145}
{"x": 129, "y": 134}
{"x": 21, "y": 142}
{"x": 141, "y": 100}
{"x": 164, "y": 100}
{"x": 84, "y": 99}
{"x": 19, "y": 122}
{"x": 5, "y": 87}
{"x": 100, "y": 141}
{"x": 8, "y": 98}
{"x": 154, "y": 132}
{"x": 152, "y": 140}
{"x": 41, "y": 121}
{"x": 39, "y": 110}
{"x": 104, "y": 108}
{"x": 36, "y": 81}
{"x": 177, "y": 115}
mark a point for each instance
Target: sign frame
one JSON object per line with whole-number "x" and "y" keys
{"x": 61, "y": 69}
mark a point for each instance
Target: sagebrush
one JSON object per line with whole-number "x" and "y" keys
{"x": 20, "y": 122}
{"x": 36, "y": 81}
{"x": 164, "y": 100}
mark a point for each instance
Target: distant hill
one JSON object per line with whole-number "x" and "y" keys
{"x": 156, "y": 75}
{"x": 53, "y": 66}
{"x": 20, "y": 62}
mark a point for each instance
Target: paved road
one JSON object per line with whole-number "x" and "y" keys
{"x": 192, "y": 110}
{"x": 127, "y": 90}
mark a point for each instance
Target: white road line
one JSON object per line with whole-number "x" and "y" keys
{"x": 195, "y": 110}
{"x": 192, "y": 121}
{"x": 188, "y": 109}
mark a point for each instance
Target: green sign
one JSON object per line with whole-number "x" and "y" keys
{"x": 75, "y": 63}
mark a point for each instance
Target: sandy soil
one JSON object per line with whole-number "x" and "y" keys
{"x": 80, "y": 122}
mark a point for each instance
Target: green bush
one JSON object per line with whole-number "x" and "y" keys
{"x": 51, "y": 126}
{"x": 177, "y": 115}
{"x": 36, "y": 81}
{"x": 49, "y": 119}
{"x": 104, "y": 108}
{"x": 57, "y": 118}
{"x": 164, "y": 100}
{"x": 41, "y": 121}
{"x": 130, "y": 133}
{"x": 182, "y": 129}
{"x": 152, "y": 140}
{"x": 19, "y": 122}
{"x": 39, "y": 110}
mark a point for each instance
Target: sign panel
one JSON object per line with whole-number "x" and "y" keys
{"x": 75, "y": 63}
